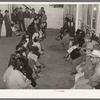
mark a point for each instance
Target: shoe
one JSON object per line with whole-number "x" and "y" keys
{"x": 37, "y": 77}
{"x": 67, "y": 60}
{"x": 42, "y": 49}
{"x": 38, "y": 66}
{"x": 43, "y": 66}
{"x": 58, "y": 39}
{"x": 73, "y": 73}
{"x": 38, "y": 71}
{"x": 64, "y": 57}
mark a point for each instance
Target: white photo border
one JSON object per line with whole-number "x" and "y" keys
{"x": 50, "y": 93}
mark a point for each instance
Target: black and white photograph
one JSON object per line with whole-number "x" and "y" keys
{"x": 50, "y": 46}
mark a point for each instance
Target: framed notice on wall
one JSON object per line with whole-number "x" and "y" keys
{"x": 57, "y": 5}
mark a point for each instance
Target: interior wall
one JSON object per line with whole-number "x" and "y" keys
{"x": 54, "y": 15}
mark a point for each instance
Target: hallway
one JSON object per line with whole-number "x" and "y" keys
{"x": 57, "y": 71}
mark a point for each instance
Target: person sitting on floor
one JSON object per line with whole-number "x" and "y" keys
{"x": 34, "y": 54}
{"x": 23, "y": 47}
{"x": 14, "y": 30}
{"x": 14, "y": 78}
{"x": 74, "y": 51}
{"x": 64, "y": 30}
{"x": 76, "y": 36}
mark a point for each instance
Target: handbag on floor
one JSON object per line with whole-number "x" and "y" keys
{"x": 75, "y": 53}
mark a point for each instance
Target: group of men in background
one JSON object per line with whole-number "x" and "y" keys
{"x": 20, "y": 19}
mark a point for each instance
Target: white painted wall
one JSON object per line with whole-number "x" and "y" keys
{"x": 54, "y": 15}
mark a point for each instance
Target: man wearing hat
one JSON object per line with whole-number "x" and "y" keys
{"x": 1, "y": 21}
{"x": 21, "y": 19}
{"x": 27, "y": 18}
{"x": 93, "y": 77}
{"x": 33, "y": 14}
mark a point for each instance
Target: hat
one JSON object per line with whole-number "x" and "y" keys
{"x": 87, "y": 36}
{"x": 32, "y": 9}
{"x": 95, "y": 53}
{"x": 89, "y": 46}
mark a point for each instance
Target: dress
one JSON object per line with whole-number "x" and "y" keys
{"x": 7, "y": 26}
{"x": 3, "y": 30}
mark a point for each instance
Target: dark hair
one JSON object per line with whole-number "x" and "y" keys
{"x": 33, "y": 9}
{"x": 13, "y": 60}
{"x": 21, "y": 50}
{"x": 23, "y": 40}
{"x": 22, "y": 60}
{"x": 82, "y": 34}
{"x": 16, "y": 62}
{"x": 16, "y": 8}
{"x": 12, "y": 24}
{"x": 6, "y": 11}
{"x": 35, "y": 39}
{"x": 42, "y": 7}
{"x": 78, "y": 31}
{"x": 20, "y": 45}
{"x": 66, "y": 18}
{"x": 20, "y": 7}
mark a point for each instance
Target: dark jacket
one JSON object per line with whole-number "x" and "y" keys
{"x": 71, "y": 31}
{"x": 14, "y": 17}
{"x": 20, "y": 16}
{"x": 27, "y": 15}
{"x": 1, "y": 18}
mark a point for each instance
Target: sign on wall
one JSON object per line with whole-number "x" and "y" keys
{"x": 57, "y": 5}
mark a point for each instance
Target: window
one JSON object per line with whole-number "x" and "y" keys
{"x": 89, "y": 15}
{"x": 94, "y": 18}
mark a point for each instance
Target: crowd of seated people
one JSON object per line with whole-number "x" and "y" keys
{"x": 24, "y": 67}
{"x": 84, "y": 52}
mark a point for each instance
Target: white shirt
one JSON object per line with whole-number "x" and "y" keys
{"x": 35, "y": 35}
{"x": 14, "y": 79}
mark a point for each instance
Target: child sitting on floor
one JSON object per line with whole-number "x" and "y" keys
{"x": 14, "y": 30}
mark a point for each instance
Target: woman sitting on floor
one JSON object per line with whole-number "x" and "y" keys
{"x": 64, "y": 30}
{"x": 13, "y": 77}
{"x": 73, "y": 51}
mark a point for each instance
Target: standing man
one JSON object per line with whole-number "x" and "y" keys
{"x": 21, "y": 19}
{"x": 14, "y": 17}
{"x": 40, "y": 11}
{"x": 33, "y": 14}
{"x": 27, "y": 18}
{"x": 1, "y": 20}
{"x": 44, "y": 21}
